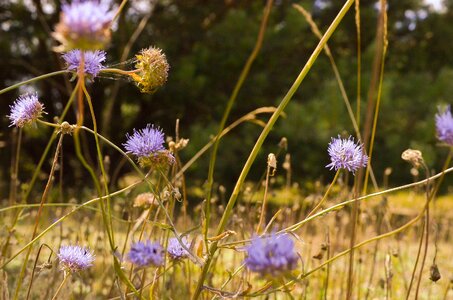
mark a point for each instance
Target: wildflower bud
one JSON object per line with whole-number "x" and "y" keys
{"x": 67, "y": 128}
{"x": 152, "y": 69}
{"x": 272, "y": 161}
{"x": 283, "y": 143}
{"x": 388, "y": 171}
{"x": 145, "y": 200}
{"x": 414, "y": 157}
{"x": 287, "y": 163}
{"x": 434, "y": 274}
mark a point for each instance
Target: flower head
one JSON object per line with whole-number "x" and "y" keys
{"x": 75, "y": 258}
{"x": 153, "y": 70}
{"x": 346, "y": 154}
{"x": 92, "y": 61}
{"x": 271, "y": 255}
{"x": 25, "y": 110}
{"x": 145, "y": 254}
{"x": 175, "y": 250}
{"x": 148, "y": 145}
{"x": 444, "y": 126}
{"x": 84, "y": 24}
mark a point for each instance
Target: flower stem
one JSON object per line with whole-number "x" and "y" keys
{"x": 232, "y": 201}
{"x": 15, "y": 86}
{"x": 65, "y": 278}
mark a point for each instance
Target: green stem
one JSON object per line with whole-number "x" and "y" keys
{"x": 15, "y": 86}
{"x": 231, "y": 202}
{"x": 231, "y": 101}
{"x": 66, "y": 276}
{"x": 325, "y": 194}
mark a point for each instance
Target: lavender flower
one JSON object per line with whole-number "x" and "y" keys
{"x": 444, "y": 126}
{"x": 346, "y": 154}
{"x": 75, "y": 258}
{"x": 84, "y": 24}
{"x": 271, "y": 255}
{"x": 147, "y": 145}
{"x": 145, "y": 254}
{"x": 175, "y": 250}
{"x": 92, "y": 61}
{"x": 25, "y": 110}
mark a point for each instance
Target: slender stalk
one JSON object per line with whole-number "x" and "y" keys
{"x": 65, "y": 278}
{"x": 231, "y": 101}
{"x": 38, "y": 215}
{"x": 263, "y": 207}
{"x": 324, "y": 198}
{"x": 15, "y": 86}
{"x": 15, "y": 168}
{"x": 231, "y": 202}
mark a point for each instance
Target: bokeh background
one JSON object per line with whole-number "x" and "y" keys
{"x": 207, "y": 44}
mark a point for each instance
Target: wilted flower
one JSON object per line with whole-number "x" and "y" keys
{"x": 271, "y": 255}
{"x": 92, "y": 61}
{"x": 152, "y": 69}
{"x": 444, "y": 126}
{"x": 414, "y": 157}
{"x": 84, "y": 24}
{"x": 175, "y": 250}
{"x": 25, "y": 110}
{"x": 148, "y": 145}
{"x": 146, "y": 254}
{"x": 75, "y": 258}
{"x": 346, "y": 154}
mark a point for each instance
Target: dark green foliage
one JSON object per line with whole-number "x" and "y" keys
{"x": 207, "y": 44}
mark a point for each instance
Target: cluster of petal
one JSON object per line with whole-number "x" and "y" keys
{"x": 84, "y": 24}
{"x": 146, "y": 254}
{"x": 153, "y": 70}
{"x": 271, "y": 255}
{"x": 25, "y": 110}
{"x": 444, "y": 126}
{"x": 175, "y": 249}
{"x": 92, "y": 61}
{"x": 148, "y": 145}
{"x": 346, "y": 154}
{"x": 75, "y": 258}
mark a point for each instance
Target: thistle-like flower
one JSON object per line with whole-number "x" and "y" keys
{"x": 75, "y": 258}
{"x": 84, "y": 24}
{"x": 346, "y": 154}
{"x": 444, "y": 126}
{"x": 148, "y": 145}
{"x": 152, "y": 69}
{"x": 271, "y": 255}
{"x": 92, "y": 61}
{"x": 175, "y": 250}
{"x": 26, "y": 110}
{"x": 146, "y": 254}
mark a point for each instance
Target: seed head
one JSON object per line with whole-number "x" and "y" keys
{"x": 92, "y": 61}
{"x": 146, "y": 254}
{"x": 75, "y": 258}
{"x": 346, "y": 154}
{"x": 175, "y": 250}
{"x": 271, "y": 255}
{"x": 84, "y": 24}
{"x": 152, "y": 69}
{"x": 26, "y": 110}
{"x": 444, "y": 126}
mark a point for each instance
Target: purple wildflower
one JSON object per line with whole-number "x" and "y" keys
{"x": 75, "y": 258}
{"x": 444, "y": 126}
{"x": 92, "y": 61}
{"x": 175, "y": 250}
{"x": 145, "y": 254}
{"x": 25, "y": 110}
{"x": 346, "y": 154}
{"x": 148, "y": 145}
{"x": 271, "y": 255}
{"x": 84, "y": 24}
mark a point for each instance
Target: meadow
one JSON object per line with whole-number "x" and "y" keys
{"x": 107, "y": 198}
